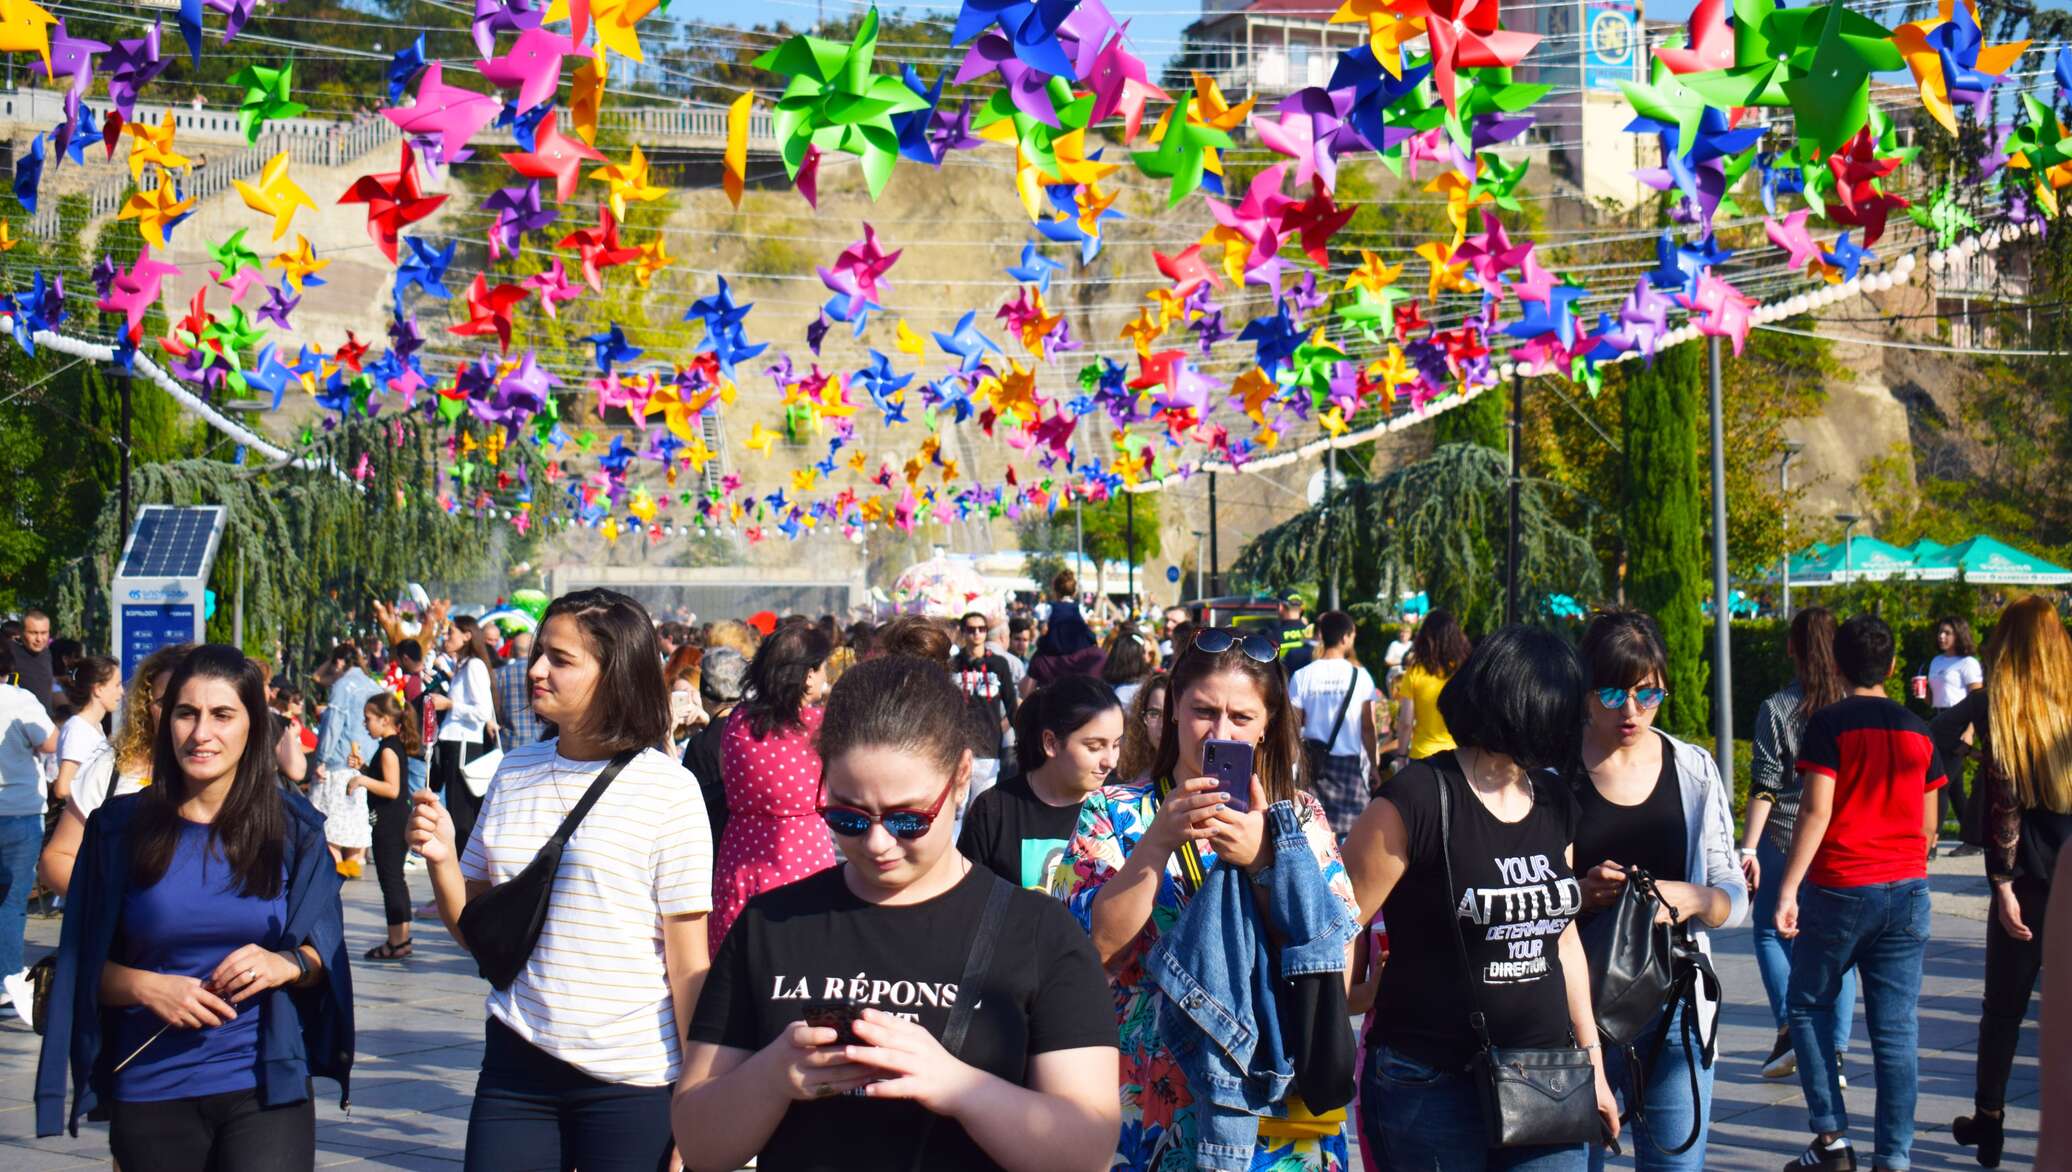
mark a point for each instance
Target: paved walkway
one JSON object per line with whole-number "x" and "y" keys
{"x": 420, "y": 1041}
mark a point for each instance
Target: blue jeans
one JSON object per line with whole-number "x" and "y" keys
{"x": 1773, "y": 952}
{"x": 536, "y": 1113}
{"x": 417, "y": 775}
{"x": 1670, "y": 1109}
{"x": 21, "y": 840}
{"x": 1881, "y": 929}
{"x": 1418, "y": 1118}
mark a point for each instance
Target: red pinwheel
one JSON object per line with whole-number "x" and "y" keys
{"x": 1465, "y": 35}
{"x": 489, "y": 311}
{"x": 393, "y": 201}
{"x": 553, "y": 156}
{"x": 599, "y": 247}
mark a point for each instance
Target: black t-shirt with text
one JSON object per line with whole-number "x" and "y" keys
{"x": 1514, "y": 888}
{"x": 1017, "y": 835}
{"x": 988, "y": 686}
{"x": 814, "y": 941}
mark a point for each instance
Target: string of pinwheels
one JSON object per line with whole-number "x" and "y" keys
{"x": 1259, "y": 340}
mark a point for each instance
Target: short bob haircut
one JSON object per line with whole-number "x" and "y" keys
{"x": 630, "y": 708}
{"x": 1520, "y": 694}
{"x": 1623, "y": 649}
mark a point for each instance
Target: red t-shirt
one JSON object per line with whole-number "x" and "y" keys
{"x": 1884, "y": 765}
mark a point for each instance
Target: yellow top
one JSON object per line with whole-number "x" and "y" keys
{"x": 1429, "y": 734}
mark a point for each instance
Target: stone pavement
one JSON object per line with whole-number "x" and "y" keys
{"x": 420, "y": 1041}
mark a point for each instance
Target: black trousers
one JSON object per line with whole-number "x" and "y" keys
{"x": 447, "y": 758}
{"x": 391, "y": 848}
{"x": 535, "y": 1113}
{"x": 2011, "y": 969}
{"x": 229, "y": 1132}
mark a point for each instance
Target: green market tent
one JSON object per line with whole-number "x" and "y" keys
{"x": 1925, "y": 551}
{"x": 1869, "y": 560}
{"x": 1989, "y": 562}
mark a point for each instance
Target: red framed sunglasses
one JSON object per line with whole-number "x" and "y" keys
{"x": 907, "y": 825}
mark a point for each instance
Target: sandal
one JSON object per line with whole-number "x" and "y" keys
{"x": 387, "y": 951}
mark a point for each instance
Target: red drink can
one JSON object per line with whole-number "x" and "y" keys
{"x": 1920, "y": 687}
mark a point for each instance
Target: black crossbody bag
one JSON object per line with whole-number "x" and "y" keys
{"x": 501, "y": 925}
{"x": 1319, "y": 752}
{"x": 1647, "y": 969}
{"x": 976, "y": 968}
{"x": 1530, "y": 1097}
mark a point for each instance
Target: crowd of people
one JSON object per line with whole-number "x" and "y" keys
{"x": 1000, "y": 890}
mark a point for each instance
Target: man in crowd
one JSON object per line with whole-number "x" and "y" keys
{"x": 1334, "y": 701}
{"x": 1294, "y": 634}
{"x": 720, "y": 677}
{"x": 26, "y": 729}
{"x": 344, "y": 727}
{"x": 1174, "y": 616}
{"x": 516, "y": 724}
{"x": 1860, "y": 853}
{"x": 988, "y": 686}
{"x": 32, "y": 659}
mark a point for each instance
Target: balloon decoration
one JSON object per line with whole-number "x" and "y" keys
{"x": 1200, "y": 376}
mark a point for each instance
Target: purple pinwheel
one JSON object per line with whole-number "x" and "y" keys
{"x": 1644, "y": 317}
{"x": 131, "y": 65}
{"x": 518, "y": 211}
{"x": 1027, "y": 86}
{"x": 1493, "y": 129}
{"x": 1313, "y": 127}
{"x": 1306, "y": 297}
{"x": 278, "y": 306}
{"x": 502, "y": 16}
{"x": 405, "y": 338}
{"x": 71, "y": 57}
{"x": 1031, "y": 26}
{"x": 1209, "y": 329}
{"x": 1375, "y": 92}
{"x": 235, "y": 14}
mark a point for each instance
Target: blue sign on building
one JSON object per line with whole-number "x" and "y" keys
{"x": 1611, "y": 45}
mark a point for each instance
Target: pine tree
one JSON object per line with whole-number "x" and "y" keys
{"x": 1480, "y": 420}
{"x": 1665, "y": 527}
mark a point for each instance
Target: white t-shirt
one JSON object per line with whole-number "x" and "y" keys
{"x": 595, "y": 992}
{"x": 1950, "y": 676}
{"x": 97, "y": 781}
{"x": 474, "y": 705}
{"x": 1397, "y": 652}
{"x": 79, "y": 739}
{"x": 1318, "y": 689}
{"x": 24, "y": 726}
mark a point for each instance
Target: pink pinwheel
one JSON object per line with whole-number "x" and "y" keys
{"x": 859, "y": 271}
{"x": 1533, "y": 282}
{"x": 553, "y": 286}
{"x": 1727, "y": 313}
{"x": 1121, "y": 85}
{"x": 454, "y": 114}
{"x": 1490, "y": 252}
{"x": 1465, "y": 35}
{"x": 1311, "y": 127}
{"x": 533, "y": 66}
{"x": 1080, "y": 35}
{"x": 1430, "y": 146}
{"x": 135, "y": 290}
{"x": 1257, "y": 219}
{"x": 1791, "y": 236}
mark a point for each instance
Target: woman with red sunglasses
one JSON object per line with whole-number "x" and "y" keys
{"x": 905, "y": 1008}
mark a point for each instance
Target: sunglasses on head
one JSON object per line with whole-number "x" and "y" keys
{"x": 905, "y": 825}
{"x": 1256, "y": 646}
{"x": 1615, "y": 698}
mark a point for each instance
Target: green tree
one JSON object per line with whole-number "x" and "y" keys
{"x": 1664, "y": 525}
{"x": 1104, "y": 527}
{"x": 1480, "y": 420}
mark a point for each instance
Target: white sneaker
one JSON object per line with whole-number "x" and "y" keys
{"x": 414, "y": 863}
{"x": 21, "y": 996}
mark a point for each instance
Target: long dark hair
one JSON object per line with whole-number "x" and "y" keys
{"x": 630, "y": 707}
{"x": 477, "y": 646}
{"x": 1060, "y": 709}
{"x": 776, "y": 686}
{"x": 1439, "y": 646}
{"x": 250, "y": 829}
{"x": 1275, "y": 755}
{"x": 385, "y": 705}
{"x": 1811, "y": 645}
{"x": 1128, "y": 659}
{"x": 1961, "y": 641}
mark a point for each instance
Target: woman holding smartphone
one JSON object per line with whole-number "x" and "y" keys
{"x": 201, "y": 978}
{"x": 820, "y": 1040}
{"x": 1137, "y": 858}
{"x": 581, "y": 1049}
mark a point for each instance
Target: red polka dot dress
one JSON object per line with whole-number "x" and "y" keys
{"x": 774, "y": 834}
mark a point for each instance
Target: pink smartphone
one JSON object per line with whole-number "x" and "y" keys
{"x": 1230, "y": 763}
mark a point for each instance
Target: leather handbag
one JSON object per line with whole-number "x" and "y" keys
{"x": 501, "y": 925}
{"x": 1530, "y": 1096}
{"x": 1645, "y": 968}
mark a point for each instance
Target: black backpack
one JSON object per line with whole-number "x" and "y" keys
{"x": 1644, "y": 970}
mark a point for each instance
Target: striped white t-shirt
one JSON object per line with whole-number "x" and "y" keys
{"x": 595, "y": 992}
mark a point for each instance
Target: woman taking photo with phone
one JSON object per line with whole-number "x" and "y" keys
{"x": 582, "y": 1046}
{"x": 1143, "y": 849}
{"x": 201, "y": 978}
{"x": 907, "y": 1008}
{"x": 1649, "y": 802}
{"x": 1515, "y": 709}
{"x": 2022, "y": 727}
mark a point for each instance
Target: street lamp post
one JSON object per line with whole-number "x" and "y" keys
{"x": 1848, "y": 521}
{"x": 1791, "y": 450}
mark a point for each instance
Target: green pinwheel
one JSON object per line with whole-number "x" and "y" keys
{"x": 1664, "y": 98}
{"x": 1037, "y": 139}
{"x": 1818, "y": 61}
{"x": 1944, "y": 217}
{"x": 834, "y": 101}
{"x": 1180, "y": 157}
{"x": 1314, "y": 365}
{"x": 232, "y": 256}
{"x": 266, "y": 97}
{"x": 1488, "y": 91}
{"x": 1371, "y": 312}
{"x": 1497, "y": 181}
{"x": 227, "y": 337}
{"x": 2039, "y": 140}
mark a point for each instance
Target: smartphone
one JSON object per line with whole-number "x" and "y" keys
{"x": 839, "y": 1016}
{"x": 1230, "y": 763}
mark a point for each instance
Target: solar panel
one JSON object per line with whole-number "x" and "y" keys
{"x": 170, "y": 542}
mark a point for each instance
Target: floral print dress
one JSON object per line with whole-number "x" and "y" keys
{"x": 1158, "y": 1124}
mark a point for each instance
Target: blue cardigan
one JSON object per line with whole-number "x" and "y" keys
{"x": 302, "y": 1033}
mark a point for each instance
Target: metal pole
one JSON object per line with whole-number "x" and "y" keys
{"x": 1215, "y": 559}
{"x": 1784, "y": 490}
{"x": 1722, "y": 661}
{"x": 1511, "y": 556}
{"x": 1129, "y": 546}
{"x": 1330, "y": 582}
{"x": 1198, "y": 535}
{"x": 237, "y": 613}
{"x": 1079, "y": 539}
{"x": 122, "y": 386}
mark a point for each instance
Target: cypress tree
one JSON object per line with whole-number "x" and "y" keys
{"x": 1665, "y": 526}
{"x": 1480, "y": 420}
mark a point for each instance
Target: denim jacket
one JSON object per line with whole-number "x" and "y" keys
{"x": 302, "y": 1032}
{"x": 1217, "y": 1015}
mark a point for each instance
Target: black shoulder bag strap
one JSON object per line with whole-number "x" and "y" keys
{"x": 976, "y": 967}
{"x": 1352, "y": 682}
{"x": 1460, "y": 947}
